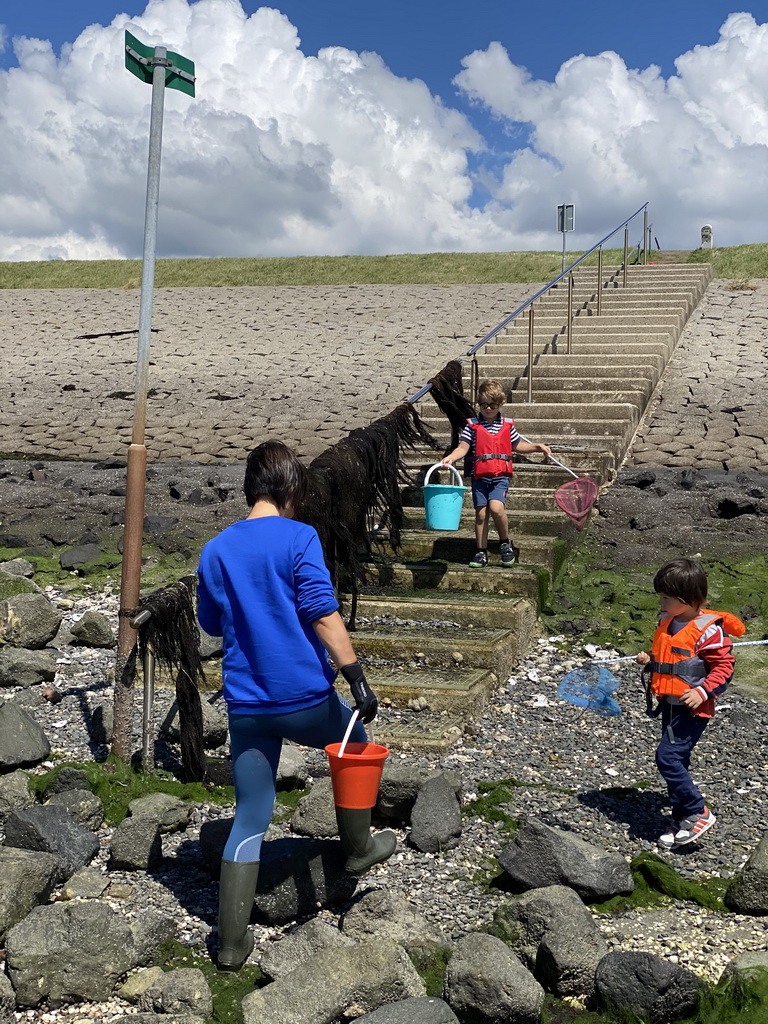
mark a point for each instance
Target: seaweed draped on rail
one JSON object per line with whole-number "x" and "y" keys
{"x": 448, "y": 392}
{"x": 354, "y": 488}
{"x": 171, "y": 634}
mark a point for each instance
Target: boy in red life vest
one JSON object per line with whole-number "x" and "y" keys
{"x": 491, "y": 438}
{"x": 691, "y": 663}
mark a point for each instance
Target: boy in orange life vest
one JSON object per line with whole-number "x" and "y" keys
{"x": 691, "y": 663}
{"x": 492, "y": 438}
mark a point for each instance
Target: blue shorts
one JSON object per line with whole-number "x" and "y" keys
{"x": 489, "y": 488}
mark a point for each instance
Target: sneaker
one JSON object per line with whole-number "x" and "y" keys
{"x": 479, "y": 561}
{"x": 667, "y": 840}
{"x": 693, "y": 827}
{"x": 509, "y": 553}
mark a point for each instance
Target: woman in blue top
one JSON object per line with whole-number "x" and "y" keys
{"x": 263, "y": 586}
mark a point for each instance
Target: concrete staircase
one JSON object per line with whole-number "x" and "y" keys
{"x": 437, "y": 636}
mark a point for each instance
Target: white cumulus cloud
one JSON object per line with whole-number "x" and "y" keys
{"x": 607, "y": 138}
{"x": 286, "y": 154}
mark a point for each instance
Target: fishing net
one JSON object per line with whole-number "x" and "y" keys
{"x": 576, "y": 498}
{"x": 591, "y": 688}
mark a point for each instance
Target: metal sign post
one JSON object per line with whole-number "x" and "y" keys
{"x": 163, "y": 69}
{"x": 565, "y": 220}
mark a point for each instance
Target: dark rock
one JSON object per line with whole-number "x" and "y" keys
{"x": 27, "y": 878}
{"x": 74, "y": 558}
{"x": 748, "y": 892}
{"x": 436, "y": 817}
{"x": 93, "y": 629}
{"x": 22, "y": 741}
{"x": 28, "y": 620}
{"x": 648, "y": 985}
{"x": 22, "y": 667}
{"x": 50, "y": 829}
{"x": 77, "y": 951}
{"x": 541, "y": 856}
{"x": 297, "y": 875}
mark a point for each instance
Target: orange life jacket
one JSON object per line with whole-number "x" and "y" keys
{"x": 493, "y": 452}
{"x": 674, "y": 666}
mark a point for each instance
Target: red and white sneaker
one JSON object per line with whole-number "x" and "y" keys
{"x": 692, "y": 828}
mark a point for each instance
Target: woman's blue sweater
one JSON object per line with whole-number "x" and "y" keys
{"x": 261, "y": 585}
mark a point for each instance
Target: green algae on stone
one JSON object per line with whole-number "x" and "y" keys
{"x": 228, "y": 989}
{"x": 656, "y": 882}
{"x": 117, "y": 784}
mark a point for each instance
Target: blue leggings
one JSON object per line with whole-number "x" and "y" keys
{"x": 256, "y": 742}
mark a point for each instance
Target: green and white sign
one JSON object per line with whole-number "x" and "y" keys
{"x": 140, "y": 60}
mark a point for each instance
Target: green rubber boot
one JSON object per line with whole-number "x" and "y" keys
{"x": 237, "y": 887}
{"x": 363, "y": 850}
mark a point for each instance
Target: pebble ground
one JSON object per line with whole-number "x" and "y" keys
{"x": 67, "y": 390}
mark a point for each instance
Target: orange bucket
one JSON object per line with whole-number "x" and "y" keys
{"x": 355, "y": 776}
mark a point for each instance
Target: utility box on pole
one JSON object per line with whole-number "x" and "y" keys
{"x": 161, "y": 69}
{"x": 565, "y": 222}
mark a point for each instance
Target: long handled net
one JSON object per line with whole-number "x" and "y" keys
{"x": 591, "y": 687}
{"x": 575, "y": 497}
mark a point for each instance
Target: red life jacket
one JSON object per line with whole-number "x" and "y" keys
{"x": 492, "y": 452}
{"x": 674, "y": 666}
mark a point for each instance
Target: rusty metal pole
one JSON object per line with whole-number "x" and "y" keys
{"x": 626, "y": 254}
{"x": 530, "y": 353}
{"x": 135, "y": 484}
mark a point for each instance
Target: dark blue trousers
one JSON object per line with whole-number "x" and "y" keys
{"x": 673, "y": 758}
{"x": 256, "y": 742}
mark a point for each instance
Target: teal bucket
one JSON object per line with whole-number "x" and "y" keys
{"x": 443, "y": 502}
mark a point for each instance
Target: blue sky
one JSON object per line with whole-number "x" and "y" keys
{"x": 478, "y": 161}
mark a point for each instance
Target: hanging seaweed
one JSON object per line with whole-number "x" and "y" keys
{"x": 448, "y": 392}
{"x": 172, "y": 635}
{"x": 354, "y": 487}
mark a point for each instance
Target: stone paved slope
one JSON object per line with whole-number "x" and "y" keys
{"x": 229, "y": 366}
{"x": 709, "y": 411}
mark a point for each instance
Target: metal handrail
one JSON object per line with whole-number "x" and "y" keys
{"x": 552, "y": 283}
{"x": 542, "y": 291}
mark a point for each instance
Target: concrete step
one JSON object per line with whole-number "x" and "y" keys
{"x": 594, "y": 345}
{"x": 668, "y": 320}
{"x": 459, "y": 692}
{"x": 493, "y": 611}
{"x": 540, "y": 522}
{"x": 604, "y": 385}
{"x": 617, "y": 301}
{"x": 443, "y": 647}
{"x": 520, "y": 499}
{"x": 421, "y": 576}
{"x": 427, "y": 733}
{"x": 531, "y": 471}
{"x": 459, "y": 546}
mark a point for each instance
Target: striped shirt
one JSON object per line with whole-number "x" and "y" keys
{"x": 468, "y": 435}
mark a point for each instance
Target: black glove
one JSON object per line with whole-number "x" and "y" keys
{"x": 365, "y": 699}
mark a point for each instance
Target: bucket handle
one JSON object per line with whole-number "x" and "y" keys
{"x": 348, "y": 733}
{"x": 442, "y": 465}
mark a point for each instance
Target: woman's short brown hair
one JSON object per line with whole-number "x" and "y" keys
{"x": 684, "y": 579}
{"x": 273, "y": 471}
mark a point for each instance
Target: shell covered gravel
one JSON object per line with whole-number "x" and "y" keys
{"x": 573, "y": 770}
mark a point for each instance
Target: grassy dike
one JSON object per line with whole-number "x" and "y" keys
{"x": 739, "y": 263}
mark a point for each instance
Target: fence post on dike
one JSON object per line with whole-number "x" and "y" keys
{"x": 161, "y": 68}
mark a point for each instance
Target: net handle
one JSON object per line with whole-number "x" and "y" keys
{"x": 562, "y": 465}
